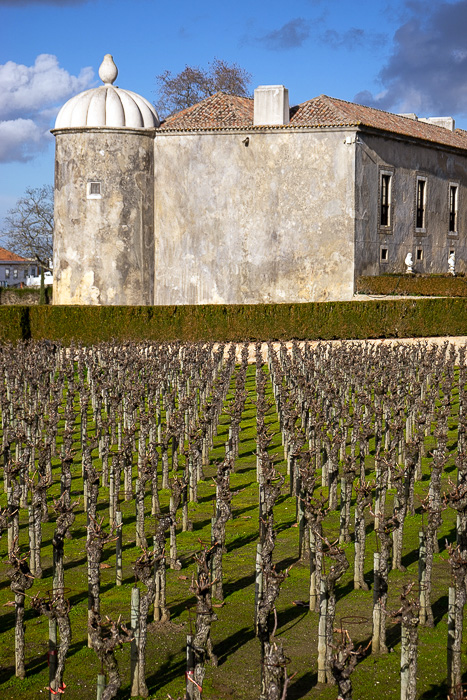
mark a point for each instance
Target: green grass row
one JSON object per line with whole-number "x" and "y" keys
{"x": 398, "y": 318}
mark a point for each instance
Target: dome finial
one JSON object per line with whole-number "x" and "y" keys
{"x": 108, "y": 70}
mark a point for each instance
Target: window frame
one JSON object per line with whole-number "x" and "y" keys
{"x": 453, "y": 232}
{"x": 385, "y": 223}
{"x": 383, "y": 259}
{"x": 420, "y": 179}
{"x": 90, "y": 186}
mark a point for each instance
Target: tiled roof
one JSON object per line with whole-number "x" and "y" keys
{"x": 221, "y": 111}
{"x": 218, "y": 111}
{"x": 8, "y": 256}
{"x": 325, "y": 111}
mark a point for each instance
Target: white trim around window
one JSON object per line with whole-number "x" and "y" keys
{"x": 94, "y": 190}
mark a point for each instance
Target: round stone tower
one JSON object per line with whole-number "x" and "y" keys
{"x": 104, "y": 196}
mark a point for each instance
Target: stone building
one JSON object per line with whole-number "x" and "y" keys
{"x": 238, "y": 200}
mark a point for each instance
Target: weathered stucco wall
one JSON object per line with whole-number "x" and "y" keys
{"x": 271, "y": 221}
{"x": 104, "y": 248}
{"x": 407, "y": 161}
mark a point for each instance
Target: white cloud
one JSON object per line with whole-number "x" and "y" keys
{"x": 31, "y": 88}
{"x": 20, "y": 139}
{"x": 29, "y": 98}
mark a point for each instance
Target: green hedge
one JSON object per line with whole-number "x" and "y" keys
{"x": 14, "y": 323}
{"x": 420, "y": 285}
{"x": 388, "y": 318}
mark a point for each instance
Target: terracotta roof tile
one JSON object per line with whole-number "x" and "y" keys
{"x": 328, "y": 111}
{"x": 218, "y": 111}
{"x": 8, "y": 256}
{"x": 221, "y": 111}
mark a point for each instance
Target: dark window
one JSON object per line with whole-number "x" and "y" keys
{"x": 420, "y": 219}
{"x": 384, "y": 255}
{"x": 419, "y": 254}
{"x": 385, "y": 200}
{"x": 94, "y": 188}
{"x": 453, "y": 208}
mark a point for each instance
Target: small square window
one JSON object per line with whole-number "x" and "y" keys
{"x": 94, "y": 190}
{"x": 384, "y": 254}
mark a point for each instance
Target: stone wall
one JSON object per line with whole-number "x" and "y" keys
{"x": 258, "y": 217}
{"x": 25, "y": 297}
{"x": 104, "y": 246}
{"x": 408, "y": 160}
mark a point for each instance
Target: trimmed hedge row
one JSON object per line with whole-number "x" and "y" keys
{"x": 386, "y": 318}
{"x": 421, "y": 285}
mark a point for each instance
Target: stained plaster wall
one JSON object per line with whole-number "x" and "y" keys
{"x": 266, "y": 220}
{"x": 104, "y": 248}
{"x": 407, "y": 160}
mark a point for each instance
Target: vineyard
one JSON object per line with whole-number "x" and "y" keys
{"x": 227, "y": 521}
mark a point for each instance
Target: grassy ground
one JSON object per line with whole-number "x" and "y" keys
{"x": 237, "y": 675}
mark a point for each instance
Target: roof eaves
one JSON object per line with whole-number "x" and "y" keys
{"x": 412, "y": 137}
{"x": 263, "y": 127}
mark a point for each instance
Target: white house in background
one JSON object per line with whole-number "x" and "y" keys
{"x": 15, "y": 270}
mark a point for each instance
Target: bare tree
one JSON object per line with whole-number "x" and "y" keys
{"x": 202, "y": 641}
{"x": 343, "y": 662}
{"x": 56, "y": 607}
{"x": 105, "y": 639}
{"x": 29, "y": 225}
{"x": 21, "y": 580}
{"x": 408, "y": 616}
{"x": 193, "y": 84}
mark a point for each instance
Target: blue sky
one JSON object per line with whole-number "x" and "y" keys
{"x": 403, "y": 56}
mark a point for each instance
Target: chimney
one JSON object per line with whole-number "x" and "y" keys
{"x": 445, "y": 122}
{"x": 271, "y": 106}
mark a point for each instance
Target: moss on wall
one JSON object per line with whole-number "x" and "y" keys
{"x": 386, "y": 318}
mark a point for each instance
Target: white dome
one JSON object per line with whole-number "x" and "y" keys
{"x": 107, "y": 106}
